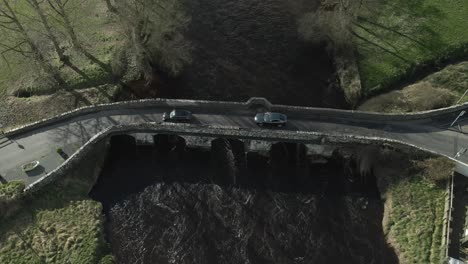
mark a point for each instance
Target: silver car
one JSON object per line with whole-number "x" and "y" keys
{"x": 271, "y": 118}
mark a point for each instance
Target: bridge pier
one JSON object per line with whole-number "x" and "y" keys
{"x": 278, "y": 164}
{"x": 288, "y": 166}
{"x": 165, "y": 143}
{"x": 223, "y": 162}
{"x": 177, "y": 150}
{"x": 240, "y": 159}
{"x": 257, "y": 165}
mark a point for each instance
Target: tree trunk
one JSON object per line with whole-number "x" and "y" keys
{"x": 63, "y": 58}
{"x": 110, "y": 6}
{"x": 74, "y": 38}
{"x": 142, "y": 57}
{"x": 37, "y": 54}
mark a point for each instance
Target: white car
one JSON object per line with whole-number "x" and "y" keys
{"x": 30, "y": 166}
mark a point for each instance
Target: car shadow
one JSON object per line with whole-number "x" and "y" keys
{"x": 36, "y": 172}
{"x": 194, "y": 120}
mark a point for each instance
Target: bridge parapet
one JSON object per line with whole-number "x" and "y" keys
{"x": 235, "y": 108}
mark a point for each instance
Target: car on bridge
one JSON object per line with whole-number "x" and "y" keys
{"x": 177, "y": 115}
{"x": 271, "y": 118}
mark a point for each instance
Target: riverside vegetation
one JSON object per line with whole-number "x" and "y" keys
{"x": 58, "y": 224}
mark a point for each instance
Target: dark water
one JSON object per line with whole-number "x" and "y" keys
{"x": 163, "y": 206}
{"x": 245, "y": 48}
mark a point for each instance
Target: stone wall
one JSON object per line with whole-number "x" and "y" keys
{"x": 87, "y": 160}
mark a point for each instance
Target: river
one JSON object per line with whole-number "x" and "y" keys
{"x": 170, "y": 203}
{"x": 245, "y": 48}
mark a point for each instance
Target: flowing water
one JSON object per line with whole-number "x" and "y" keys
{"x": 174, "y": 204}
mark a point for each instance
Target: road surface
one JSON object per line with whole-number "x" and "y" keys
{"x": 41, "y": 144}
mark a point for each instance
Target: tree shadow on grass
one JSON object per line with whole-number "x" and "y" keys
{"x": 405, "y": 23}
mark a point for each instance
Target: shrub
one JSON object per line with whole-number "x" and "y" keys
{"x": 10, "y": 193}
{"x": 107, "y": 259}
{"x": 436, "y": 169}
{"x": 11, "y": 190}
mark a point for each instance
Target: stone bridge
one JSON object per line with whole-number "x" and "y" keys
{"x": 79, "y": 131}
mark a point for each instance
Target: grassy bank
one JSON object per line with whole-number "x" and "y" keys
{"x": 19, "y": 111}
{"x": 416, "y": 220}
{"x": 11, "y": 190}
{"x": 59, "y": 224}
{"x": 414, "y": 208}
{"x": 403, "y": 37}
{"x": 440, "y": 89}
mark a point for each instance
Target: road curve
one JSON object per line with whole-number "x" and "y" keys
{"x": 71, "y": 131}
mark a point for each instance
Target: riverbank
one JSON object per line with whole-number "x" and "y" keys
{"x": 57, "y": 223}
{"x": 405, "y": 39}
{"x": 440, "y": 89}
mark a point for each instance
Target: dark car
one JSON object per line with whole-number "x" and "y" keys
{"x": 177, "y": 115}
{"x": 270, "y": 118}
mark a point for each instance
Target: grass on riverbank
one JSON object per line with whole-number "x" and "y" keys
{"x": 58, "y": 224}
{"x": 19, "y": 111}
{"x": 11, "y": 190}
{"x": 441, "y": 89}
{"x": 405, "y": 36}
{"x": 416, "y": 220}
{"x": 414, "y": 207}
{"x": 10, "y": 193}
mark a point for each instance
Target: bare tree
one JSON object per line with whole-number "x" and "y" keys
{"x": 60, "y": 8}
{"x": 55, "y": 42}
{"x": 110, "y": 6}
{"x": 154, "y": 31}
{"x": 333, "y": 24}
{"x": 10, "y": 22}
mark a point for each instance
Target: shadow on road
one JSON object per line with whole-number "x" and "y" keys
{"x": 36, "y": 172}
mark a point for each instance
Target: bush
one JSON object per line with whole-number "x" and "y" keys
{"x": 10, "y": 193}
{"x": 11, "y": 190}
{"x": 119, "y": 63}
{"x": 418, "y": 97}
{"x": 107, "y": 259}
{"x": 436, "y": 169}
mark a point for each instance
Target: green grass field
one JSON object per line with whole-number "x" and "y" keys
{"x": 95, "y": 32}
{"x": 403, "y": 36}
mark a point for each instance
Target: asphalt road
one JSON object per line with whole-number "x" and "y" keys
{"x": 41, "y": 144}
